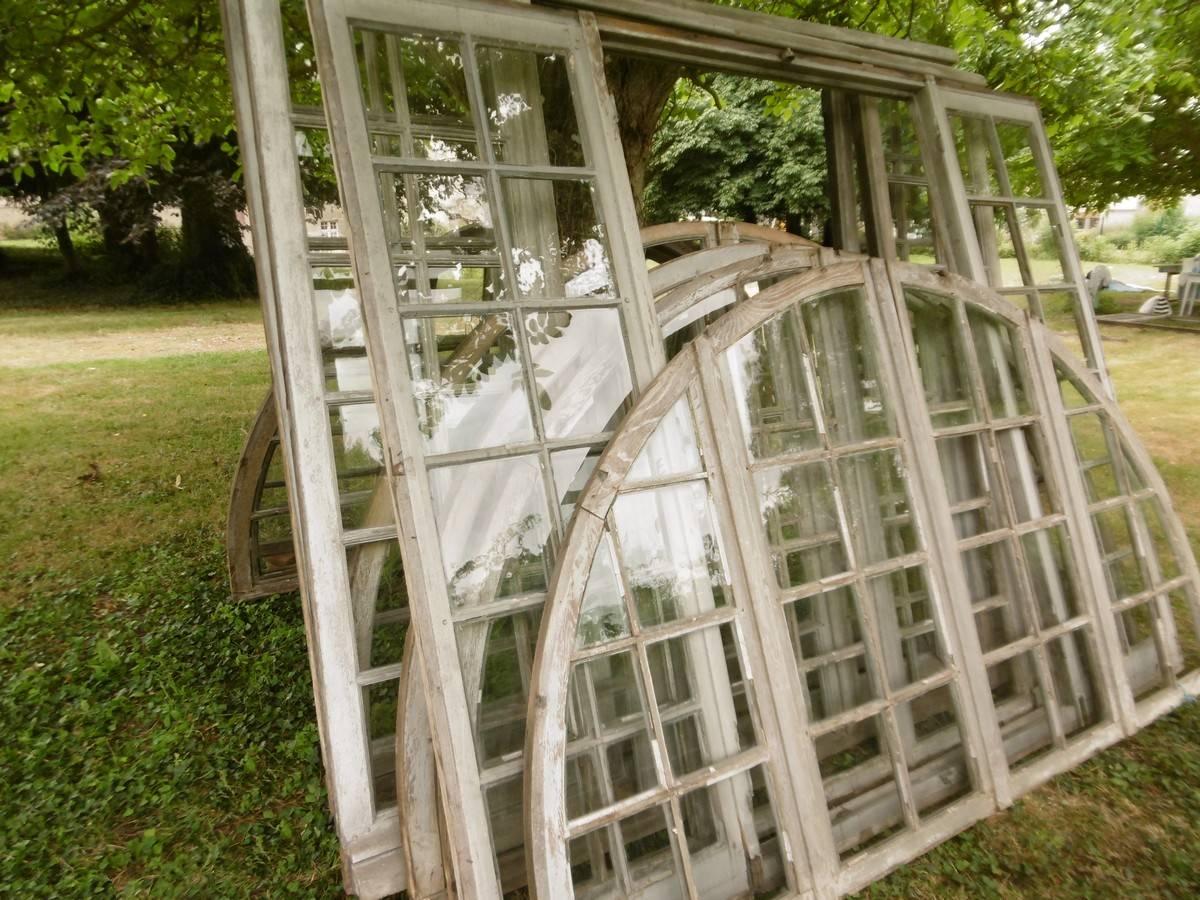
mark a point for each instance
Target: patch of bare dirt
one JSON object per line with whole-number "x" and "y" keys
{"x": 27, "y": 352}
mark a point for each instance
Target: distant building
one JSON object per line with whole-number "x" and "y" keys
{"x": 1122, "y": 213}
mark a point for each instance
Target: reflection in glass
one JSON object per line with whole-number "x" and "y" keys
{"x": 496, "y": 657}
{"x": 1048, "y": 556}
{"x": 581, "y": 370}
{"x": 671, "y": 553}
{"x": 941, "y": 357}
{"x": 769, "y": 373}
{"x": 467, "y": 382}
{"x": 847, "y": 372}
{"x": 995, "y": 593}
{"x": 1000, "y": 363}
{"x": 671, "y": 449}
{"x": 602, "y": 617}
{"x": 938, "y": 768}
{"x": 557, "y": 256}
{"x": 877, "y": 499}
{"x": 530, "y": 107}
{"x": 1020, "y": 708}
{"x": 801, "y": 522}
{"x": 853, "y": 762}
{"x": 493, "y": 523}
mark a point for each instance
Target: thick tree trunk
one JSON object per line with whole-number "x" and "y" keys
{"x": 640, "y": 90}
{"x": 213, "y": 259}
{"x": 66, "y": 246}
{"x": 128, "y": 227}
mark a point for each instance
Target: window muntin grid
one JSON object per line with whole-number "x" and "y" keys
{"x": 1011, "y": 210}
{"x": 851, "y": 569}
{"x": 1018, "y": 552}
{"x": 514, "y": 337}
{"x": 1152, "y": 597}
{"x": 907, "y": 184}
{"x": 662, "y": 733}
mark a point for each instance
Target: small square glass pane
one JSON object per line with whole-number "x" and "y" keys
{"x": 941, "y": 358}
{"x": 828, "y": 622}
{"x": 1093, "y": 449}
{"x": 593, "y": 871}
{"x": 912, "y": 223}
{"x": 572, "y": 469}
{"x": 530, "y": 108}
{"x": 580, "y": 368}
{"x": 380, "y": 599}
{"x": 912, "y": 648}
{"x": 1042, "y": 238}
{"x": 1021, "y": 457}
{"x": 468, "y": 384}
{"x": 976, "y": 158}
{"x": 649, "y": 854}
{"x": 1019, "y": 700}
{"x": 855, "y": 765}
{"x": 877, "y": 497}
{"x": 602, "y": 617}
{"x": 379, "y": 706}
{"x": 494, "y": 527}
{"x": 1144, "y": 667}
{"x": 672, "y": 448}
{"x": 1000, "y": 362}
{"x": 801, "y": 522}
{"x": 1016, "y": 143}
{"x": 1075, "y": 681}
{"x": 996, "y": 595}
{"x": 967, "y": 477}
{"x": 939, "y": 769}
{"x": 1122, "y": 566}
{"x": 844, "y": 357}
{"x": 1051, "y": 574}
{"x": 358, "y": 460}
{"x": 769, "y": 372}
{"x": 671, "y": 553}
{"x": 559, "y": 247}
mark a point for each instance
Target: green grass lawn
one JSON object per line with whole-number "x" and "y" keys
{"x": 160, "y": 740}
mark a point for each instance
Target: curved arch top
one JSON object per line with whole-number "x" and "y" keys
{"x": 867, "y": 492}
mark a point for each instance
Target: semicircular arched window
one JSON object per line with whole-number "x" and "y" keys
{"x": 838, "y": 588}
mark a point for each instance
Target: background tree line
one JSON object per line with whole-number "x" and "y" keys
{"x": 111, "y": 110}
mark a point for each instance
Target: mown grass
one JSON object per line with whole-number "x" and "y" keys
{"x": 160, "y": 740}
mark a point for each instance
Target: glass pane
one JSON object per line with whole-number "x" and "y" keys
{"x": 996, "y": 595}
{"x": 1048, "y": 555}
{"x": 496, "y": 656}
{"x": 671, "y": 449}
{"x": 358, "y": 458}
{"x": 468, "y": 384}
{"x": 877, "y": 498}
{"x": 1151, "y": 511}
{"x": 966, "y": 474}
{"x": 993, "y": 229}
{"x": 1144, "y": 668}
{"x": 1121, "y": 565}
{"x": 646, "y": 840}
{"x": 829, "y": 624}
{"x": 695, "y": 700}
{"x": 314, "y": 154}
{"x": 912, "y": 223}
{"x": 1000, "y": 364}
{"x": 1184, "y": 610}
{"x": 901, "y": 151}
{"x": 801, "y": 522}
{"x": 941, "y": 357}
{"x": 380, "y": 602}
{"x": 1041, "y": 237}
{"x": 1020, "y": 708}
{"x": 1016, "y": 143}
{"x": 718, "y": 875}
{"x": 1075, "y": 681}
{"x": 671, "y": 553}
{"x": 592, "y": 870}
{"x": 504, "y": 817}
{"x": 860, "y": 787}
{"x": 975, "y": 156}
{"x": 1020, "y": 455}
{"x": 581, "y": 369}
{"x": 1090, "y": 436}
{"x": 453, "y": 213}
{"x": 379, "y": 703}
{"x": 847, "y": 375}
{"x": 461, "y": 283}
{"x": 602, "y": 617}
{"x": 938, "y": 768}
{"x": 559, "y": 248}
{"x": 493, "y": 525}
{"x": 904, "y": 607}
{"x": 529, "y": 107}
{"x": 572, "y": 469}
{"x": 416, "y": 81}
{"x": 770, "y": 385}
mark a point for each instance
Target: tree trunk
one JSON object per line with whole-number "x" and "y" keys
{"x": 128, "y": 227}
{"x": 213, "y": 257}
{"x": 640, "y": 90}
{"x": 66, "y": 246}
